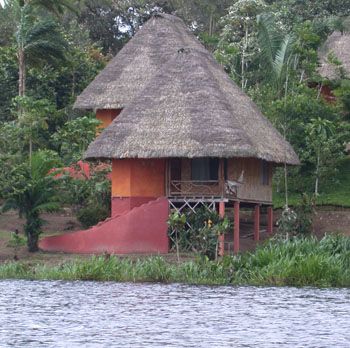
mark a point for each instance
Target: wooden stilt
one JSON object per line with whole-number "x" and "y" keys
{"x": 257, "y": 222}
{"x": 222, "y": 237}
{"x": 236, "y": 228}
{"x": 269, "y": 220}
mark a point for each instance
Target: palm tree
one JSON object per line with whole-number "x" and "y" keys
{"x": 38, "y": 40}
{"x": 57, "y": 7}
{"x": 275, "y": 51}
{"x": 34, "y": 194}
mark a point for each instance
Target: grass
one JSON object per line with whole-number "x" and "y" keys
{"x": 280, "y": 262}
{"x": 333, "y": 192}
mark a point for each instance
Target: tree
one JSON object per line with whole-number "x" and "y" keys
{"x": 32, "y": 192}
{"x": 37, "y": 40}
{"x": 74, "y": 137}
{"x": 32, "y": 118}
{"x": 275, "y": 52}
{"x": 239, "y": 36}
{"x": 323, "y": 150}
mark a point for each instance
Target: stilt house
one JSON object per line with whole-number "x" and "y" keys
{"x": 179, "y": 133}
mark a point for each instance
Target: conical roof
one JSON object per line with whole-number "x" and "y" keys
{"x": 191, "y": 108}
{"x": 339, "y": 44}
{"x": 139, "y": 60}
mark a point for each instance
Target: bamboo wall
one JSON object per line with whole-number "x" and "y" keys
{"x": 252, "y": 188}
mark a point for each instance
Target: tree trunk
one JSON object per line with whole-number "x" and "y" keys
{"x": 21, "y": 72}
{"x": 30, "y": 144}
{"x": 32, "y": 242}
{"x": 245, "y": 45}
{"x": 317, "y": 170}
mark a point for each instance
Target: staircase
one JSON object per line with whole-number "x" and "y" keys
{"x": 140, "y": 230}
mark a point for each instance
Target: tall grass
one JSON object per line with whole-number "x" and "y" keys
{"x": 280, "y": 262}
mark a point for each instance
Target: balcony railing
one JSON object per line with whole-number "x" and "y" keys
{"x": 195, "y": 188}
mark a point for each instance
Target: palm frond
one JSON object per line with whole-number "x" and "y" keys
{"x": 49, "y": 207}
{"x": 269, "y": 39}
{"x": 282, "y": 56}
{"x": 8, "y": 205}
{"x": 56, "y": 7}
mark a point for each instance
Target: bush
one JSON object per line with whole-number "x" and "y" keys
{"x": 298, "y": 222}
{"x": 92, "y": 214}
{"x": 198, "y": 232}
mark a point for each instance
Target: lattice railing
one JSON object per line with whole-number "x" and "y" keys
{"x": 192, "y": 205}
{"x": 194, "y": 188}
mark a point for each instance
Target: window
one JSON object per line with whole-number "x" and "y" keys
{"x": 265, "y": 173}
{"x": 204, "y": 168}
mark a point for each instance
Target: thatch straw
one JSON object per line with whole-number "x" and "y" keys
{"x": 127, "y": 74}
{"x": 340, "y": 45}
{"x": 192, "y": 108}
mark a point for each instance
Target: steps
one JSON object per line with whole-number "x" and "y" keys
{"x": 141, "y": 230}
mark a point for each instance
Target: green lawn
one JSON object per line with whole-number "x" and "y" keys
{"x": 333, "y": 193}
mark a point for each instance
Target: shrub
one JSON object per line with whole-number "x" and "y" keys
{"x": 198, "y": 232}
{"x": 92, "y": 214}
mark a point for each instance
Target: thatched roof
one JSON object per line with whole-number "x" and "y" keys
{"x": 139, "y": 60}
{"x": 191, "y": 108}
{"x": 340, "y": 45}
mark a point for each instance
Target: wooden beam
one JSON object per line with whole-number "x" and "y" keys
{"x": 270, "y": 220}
{"x": 236, "y": 228}
{"x": 222, "y": 236}
{"x": 257, "y": 223}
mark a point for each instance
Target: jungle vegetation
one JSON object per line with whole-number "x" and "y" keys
{"x": 51, "y": 50}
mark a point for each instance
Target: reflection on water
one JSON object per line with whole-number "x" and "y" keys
{"x": 86, "y": 314}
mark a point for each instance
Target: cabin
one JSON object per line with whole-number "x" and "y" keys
{"x": 339, "y": 45}
{"x": 179, "y": 133}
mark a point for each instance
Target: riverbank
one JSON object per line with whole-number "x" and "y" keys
{"x": 281, "y": 262}
{"x": 328, "y": 220}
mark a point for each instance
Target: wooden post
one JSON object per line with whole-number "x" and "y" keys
{"x": 236, "y": 228}
{"x": 257, "y": 222}
{"x": 269, "y": 220}
{"x": 221, "y": 177}
{"x": 222, "y": 237}
{"x": 167, "y": 181}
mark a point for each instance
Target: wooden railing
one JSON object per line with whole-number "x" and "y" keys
{"x": 195, "y": 188}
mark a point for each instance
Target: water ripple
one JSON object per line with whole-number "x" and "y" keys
{"x": 97, "y": 315}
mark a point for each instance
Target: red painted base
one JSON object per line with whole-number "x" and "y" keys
{"x": 140, "y": 230}
{"x": 123, "y": 204}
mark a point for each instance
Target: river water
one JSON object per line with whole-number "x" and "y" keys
{"x": 90, "y": 314}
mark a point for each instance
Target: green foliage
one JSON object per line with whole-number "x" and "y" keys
{"x": 239, "y": 34}
{"x": 8, "y": 79}
{"x": 198, "y": 232}
{"x": 74, "y": 137}
{"x": 32, "y": 192}
{"x": 81, "y": 191}
{"x": 92, "y": 214}
{"x": 32, "y": 119}
{"x": 176, "y": 232}
{"x": 288, "y": 221}
{"x": 298, "y": 222}
{"x": 15, "y": 242}
{"x": 280, "y": 262}
{"x": 323, "y": 149}
{"x": 343, "y": 98}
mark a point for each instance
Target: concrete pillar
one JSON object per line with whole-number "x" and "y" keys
{"x": 222, "y": 237}
{"x": 236, "y": 228}
{"x": 257, "y": 222}
{"x": 270, "y": 220}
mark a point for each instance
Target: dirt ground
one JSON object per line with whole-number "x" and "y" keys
{"x": 327, "y": 220}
